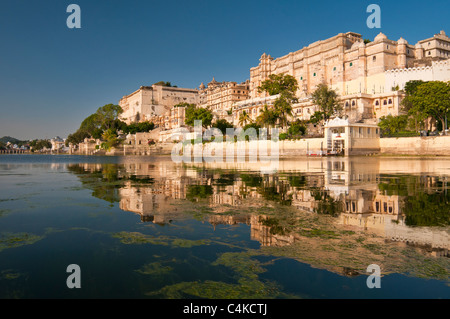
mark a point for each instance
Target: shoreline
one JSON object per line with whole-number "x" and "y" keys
{"x": 281, "y": 156}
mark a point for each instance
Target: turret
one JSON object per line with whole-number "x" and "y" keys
{"x": 402, "y": 43}
{"x": 419, "y": 51}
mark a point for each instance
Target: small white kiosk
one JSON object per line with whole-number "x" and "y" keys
{"x": 344, "y": 138}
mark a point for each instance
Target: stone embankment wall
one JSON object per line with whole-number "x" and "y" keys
{"x": 417, "y": 146}
{"x": 427, "y": 145}
{"x": 255, "y": 148}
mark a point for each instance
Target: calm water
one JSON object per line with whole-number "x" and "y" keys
{"x": 142, "y": 227}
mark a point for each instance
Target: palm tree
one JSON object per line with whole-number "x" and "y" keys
{"x": 244, "y": 118}
{"x": 283, "y": 108}
{"x": 268, "y": 117}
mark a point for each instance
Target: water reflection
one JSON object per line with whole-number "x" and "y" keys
{"x": 403, "y": 201}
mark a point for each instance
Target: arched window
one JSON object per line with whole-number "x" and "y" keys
{"x": 390, "y": 101}
{"x": 346, "y": 104}
{"x": 377, "y": 102}
{"x": 353, "y": 103}
{"x": 384, "y": 102}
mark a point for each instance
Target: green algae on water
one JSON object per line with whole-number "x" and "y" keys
{"x": 14, "y": 240}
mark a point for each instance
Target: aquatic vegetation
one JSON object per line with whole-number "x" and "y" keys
{"x": 136, "y": 238}
{"x": 10, "y": 274}
{"x": 4, "y": 212}
{"x": 186, "y": 243}
{"x": 154, "y": 269}
{"x": 14, "y": 240}
{"x": 246, "y": 283}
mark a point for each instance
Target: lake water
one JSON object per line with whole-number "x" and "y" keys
{"x": 142, "y": 227}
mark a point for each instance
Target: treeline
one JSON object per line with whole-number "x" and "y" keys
{"x": 35, "y": 145}
{"x": 426, "y": 104}
{"x": 105, "y": 125}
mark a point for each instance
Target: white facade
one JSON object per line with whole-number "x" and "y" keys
{"x": 438, "y": 71}
{"x": 152, "y": 101}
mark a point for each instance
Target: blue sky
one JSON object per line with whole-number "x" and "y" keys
{"x": 52, "y": 77}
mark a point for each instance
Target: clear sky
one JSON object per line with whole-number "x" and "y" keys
{"x": 52, "y": 77}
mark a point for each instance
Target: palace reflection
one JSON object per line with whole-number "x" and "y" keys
{"x": 399, "y": 200}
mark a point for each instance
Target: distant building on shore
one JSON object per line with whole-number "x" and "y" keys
{"x": 368, "y": 76}
{"x": 149, "y": 102}
{"x": 219, "y": 97}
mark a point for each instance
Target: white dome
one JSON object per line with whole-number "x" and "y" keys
{"x": 402, "y": 41}
{"x": 380, "y": 37}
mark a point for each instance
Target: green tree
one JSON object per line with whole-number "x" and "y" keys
{"x": 244, "y": 118}
{"x": 248, "y": 129}
{"x": 77, "y": 137}
{"x": 417, "y": 115}
{"x": 267, "y": 117}
{"x": 38, "y": 145}
{"x": 222, "y": 125}
{"x": 297, "y": 129}
{"x": 110, "y": 139}
{"x": 286, "y": 87}
{"x": 317, "y": 117}
{"x": 277, "y": 84}
{"x": 328, "y": 102}
{"x": 91, "y": 123}
{"x": 184, "y": 104}
{"x": 106, "y": 117}
{"x": 433, "y": 99}
{"x": 108, "y": 114}
{"x": 411, "y": 86}
{"x": 134, "y": 128}
{"x": 283, "y": 107}
{"x": 163, "y": 83}
{"x": 390, "y": 125}
{"x": 193, "y": 114}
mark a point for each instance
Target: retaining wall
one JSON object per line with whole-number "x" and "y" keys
{"x": 427, "y": 145}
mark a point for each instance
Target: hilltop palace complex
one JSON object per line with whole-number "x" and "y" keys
{"x": 368, "y": 77}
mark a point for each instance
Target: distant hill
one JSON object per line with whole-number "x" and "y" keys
{"x": 6, "y": 139}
